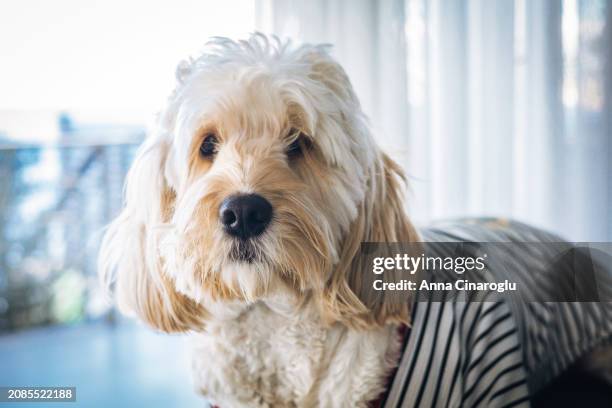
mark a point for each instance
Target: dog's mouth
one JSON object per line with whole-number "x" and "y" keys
{"x": 244, "y": 251}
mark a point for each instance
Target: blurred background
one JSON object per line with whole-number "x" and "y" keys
{"x": 493, "y": 107}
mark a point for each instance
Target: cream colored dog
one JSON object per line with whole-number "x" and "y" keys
{"x": 245, "y": 209}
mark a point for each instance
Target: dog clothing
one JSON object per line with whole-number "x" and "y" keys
{"x": 503, "y": 348}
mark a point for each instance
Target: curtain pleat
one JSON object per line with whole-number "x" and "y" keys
{"x": 493, "y": 107}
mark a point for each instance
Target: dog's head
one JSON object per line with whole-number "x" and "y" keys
{"x": 260, "y": 180}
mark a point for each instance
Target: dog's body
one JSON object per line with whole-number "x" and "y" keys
{"x": 271, "y": 356}
{"x": 245, "y": 211}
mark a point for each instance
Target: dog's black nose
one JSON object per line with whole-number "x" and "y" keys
{"x": 245, "y": 215}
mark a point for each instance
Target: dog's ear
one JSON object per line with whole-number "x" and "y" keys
{"x": 327, "y": 71}
{"x": 349, "y": 296}
{"x": 129, "y": 257}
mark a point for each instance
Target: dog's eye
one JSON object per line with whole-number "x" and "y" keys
{"x": 208, "y": 148}
{"x": 299, "y": 144}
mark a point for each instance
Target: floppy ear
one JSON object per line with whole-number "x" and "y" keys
{"x": 349, "y": 296}
{"x": 129, "y": 256}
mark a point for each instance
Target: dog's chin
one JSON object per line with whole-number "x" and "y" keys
{"x": 248, "y": 271}
{"x": 245, "y": 251}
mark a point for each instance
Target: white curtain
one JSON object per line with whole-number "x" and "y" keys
{"x": 494, "y": 107}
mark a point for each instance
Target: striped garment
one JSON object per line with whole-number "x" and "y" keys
{"x": 498, "y": 352}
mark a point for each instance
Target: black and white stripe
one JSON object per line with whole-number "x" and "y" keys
{"x": 499, "y": 351}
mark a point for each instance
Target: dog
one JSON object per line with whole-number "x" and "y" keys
{"x": 244, "y": 214}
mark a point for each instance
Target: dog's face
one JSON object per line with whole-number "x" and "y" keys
{"x": 261, "y": 180}
{"x": 267, "y": 173}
